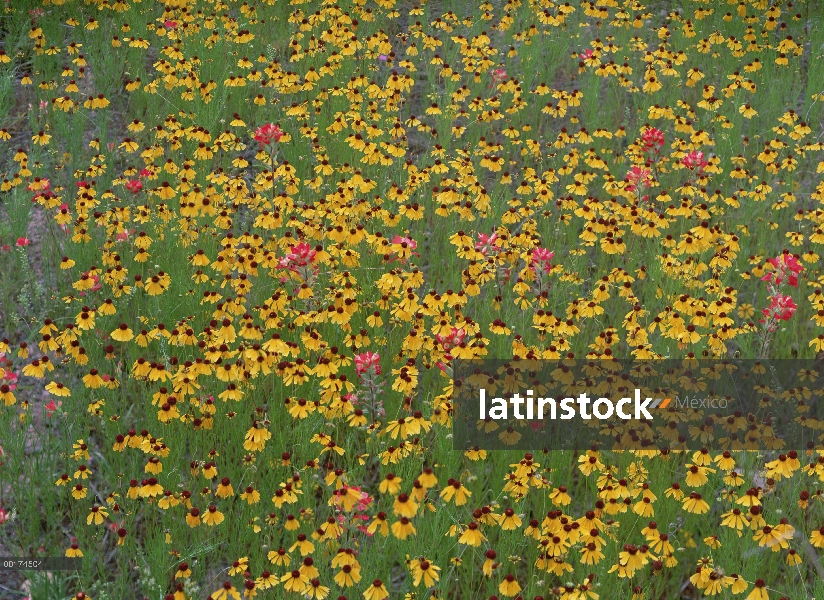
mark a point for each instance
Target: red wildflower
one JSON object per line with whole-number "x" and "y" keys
{"x": 653, "y": 139}
{"x": 541, "y": 258}
{"x": 786, "y": 267}
{"x": 454, "y": 338}
{"x": 366, "y": 361}
{"x": 51, "y": 407}
{"x": 267, "y": 134}
{"x": 486, "y": 243}
{"x": 300, "y": 255}
{"x": 781, "y": 308}
{"x": 638, "y": 176}
{"x": 694, "y": 160}
{"x": 134, "y": 186}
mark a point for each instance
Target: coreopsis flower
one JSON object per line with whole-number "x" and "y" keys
{"x": 380, "y": 524}
{"x": 404, "y": 506}
{"x": 390, "y": 485}
{"x": 403, "y": 247}
{"x": 376, "y": 591}
{"x": 316, "y": 590}
{"x": 759, "y": 592}
{"x": 817, "y": 538}
{"x": 348, "y": 576}
{"x": 350, "y": 498}
{"x": 226, "y": 591}
{"x": 455, "y": 490}
{"x": 509, "y": 520}
{"x": 560, "y": 497}
{"x": 213, "y": 516}
{"x": 97, "y": 515}
{"x": 424, "y": 571}
{"x": 696, "y": 504}
{"x": 472, "y": 536}
{"x": 58, "y": 389}
{"x": 403, "y": 528}
{"x": 183, "y": 571}
{"x": 509, "y": 586}
{"x": 122, "y": 334}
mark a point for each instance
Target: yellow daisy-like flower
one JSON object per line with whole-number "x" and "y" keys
{"x": 97, "y": 515}
{"x": 226, "y": 591}
{"x": 376, "y": 591}
{"x": 509, "y": 586}
{"x": 58, "y": 389}
{"x": 122, "y": 333}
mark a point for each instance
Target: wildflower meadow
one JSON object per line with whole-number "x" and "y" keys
{"x": 242, "y": 245}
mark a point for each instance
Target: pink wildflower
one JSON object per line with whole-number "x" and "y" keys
{"x": 653, "y": 139}
{"x": 541, "y": 258}
{"x": 786, "y": 267}
{"x": 486, "y": 243}
{"x": 22, "y": 242}
{"x": 367, "y": 362}
{"x": 694, "y": 160}
{"x": 454, "y": 338}
{"x": 638, "y": 176}
{"x": 3, "y": 516}
{"x": 10, "y": 377}
{"x": 267, "y": 134}
{"x": 781, "y": 308}
{"x": 498, "y": 75}
{"x": 97, "y": 285}
{"x": 300, "y": 255}
{"x": 123, "y": 235}
{"x": 170, "y": 24}
{"x": 406, "y": 243}
{"x": 51, "y": 407}
{"x": 134, "y": 186}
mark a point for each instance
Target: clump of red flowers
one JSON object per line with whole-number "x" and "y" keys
{"x": 268, "y": 134}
